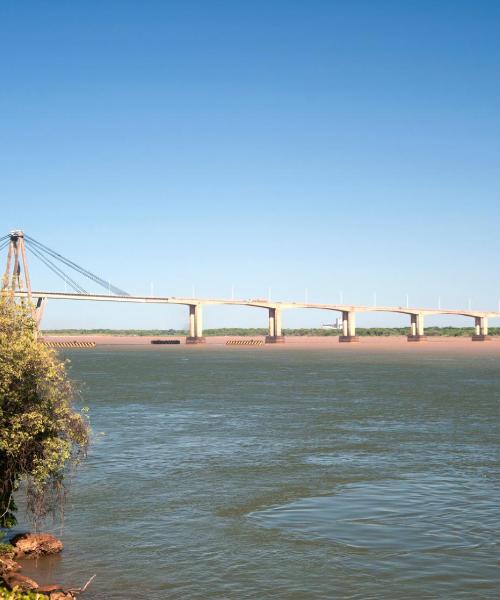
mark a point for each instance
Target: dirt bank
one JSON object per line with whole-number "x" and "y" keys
{"x": 365, "y": 343}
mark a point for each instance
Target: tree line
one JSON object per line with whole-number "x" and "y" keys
{"x": 253, "y": 331}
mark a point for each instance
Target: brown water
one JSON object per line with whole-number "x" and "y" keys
{"x": 286, "y": 474}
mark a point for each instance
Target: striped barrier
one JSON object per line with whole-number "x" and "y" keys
{"x": 69, "y": 344}
{"x": 244, "y": 343}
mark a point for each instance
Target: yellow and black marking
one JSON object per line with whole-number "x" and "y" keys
{"x": 72, "y": 344}
{"x": 244, "y": 343}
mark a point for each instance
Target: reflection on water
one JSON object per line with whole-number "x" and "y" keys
{"x": 286, "y": 474}
{"x": 394, "y": 516}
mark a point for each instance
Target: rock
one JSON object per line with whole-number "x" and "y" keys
{"x": 50, "y": 589}
{"x": 35, "y": 544}
{"x": 8, "y": 565}
{"x": 24, "y": 583}
{"x": 55, "y": 592}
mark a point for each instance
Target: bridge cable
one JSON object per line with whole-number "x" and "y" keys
{"x": 103, "y": 283}
{"x": 55, "y": 269}
{"x": 45, "y": 250}
{"x": 59, "y": 272}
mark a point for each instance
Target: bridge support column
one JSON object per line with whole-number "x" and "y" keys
{"x": 481, "y": 330}
{"x": 275, "y": 335}
{"x": 417, "y": 333}
{"x": 348, "y": 327}
{"x": 195, "y": 325}
{"x": 39, "y": 310}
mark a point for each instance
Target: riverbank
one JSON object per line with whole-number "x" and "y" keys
{"x": 368, "y": 342}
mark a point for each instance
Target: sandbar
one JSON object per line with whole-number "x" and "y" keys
{"x": 368, "y": 343}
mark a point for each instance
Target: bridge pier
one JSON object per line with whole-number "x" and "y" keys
{"x": 275, "y": 335}
{"x": 195, "y": 325}
{"x": 39, "y": 310}
{"x": 348, "y": 327}
{"x": 417, "y": 333}
{"x": 481, "y": 330}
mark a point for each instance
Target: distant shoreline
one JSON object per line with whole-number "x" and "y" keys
{"x": 364, "y": 332}
{"x": 369, "y": 343}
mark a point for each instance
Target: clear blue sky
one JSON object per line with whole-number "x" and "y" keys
{"x": 336, "y": 146}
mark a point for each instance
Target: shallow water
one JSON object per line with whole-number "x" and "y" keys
{"x": 286, "y": 474}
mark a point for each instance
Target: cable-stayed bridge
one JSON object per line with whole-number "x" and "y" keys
{"x": 16, "y": 281}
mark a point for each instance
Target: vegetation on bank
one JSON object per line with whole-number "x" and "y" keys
{"x": 41, "y": 435}
{"x": 236, "y": 331}
{"x": 5, "y": 594}
{"x": 5, "y": 549}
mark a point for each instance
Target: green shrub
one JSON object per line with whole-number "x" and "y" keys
{"x": 41, "y": 434}
{"x": 5, "y": 594}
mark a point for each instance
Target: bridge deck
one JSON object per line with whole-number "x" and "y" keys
{"x": 254, "y": 303}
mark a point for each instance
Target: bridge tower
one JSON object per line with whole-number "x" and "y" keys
{"x": 16, "y": 276}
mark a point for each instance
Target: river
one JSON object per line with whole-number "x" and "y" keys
{"x": 285, "y": 474}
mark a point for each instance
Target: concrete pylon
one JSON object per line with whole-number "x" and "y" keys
{"x": 275, "y": 335}
{"x": 39, "y": 310}
{"x": 481, "y": 330}
{"x": 16, "y": 275}
{"x": 348, "y": 327}
{"x": 195, "y": 325}
{"x": 417, "y": 332}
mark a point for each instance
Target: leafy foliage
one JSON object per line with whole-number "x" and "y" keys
{"x": 5, "y": 548}
{"x": 41, "y": 435}
{"x": 18, "y": 595}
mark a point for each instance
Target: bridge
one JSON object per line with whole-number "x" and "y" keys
{"x": 16, "y": 281}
